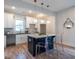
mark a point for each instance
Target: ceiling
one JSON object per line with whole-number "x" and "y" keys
{"x": 54, "y": 5}
{"x": 48, "y": 5}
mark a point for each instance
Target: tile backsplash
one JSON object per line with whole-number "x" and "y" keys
{"x": 10, "y": 30}
{"x": 13, "y": 31}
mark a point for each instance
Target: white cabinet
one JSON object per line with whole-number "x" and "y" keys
{"x": 21, "y": 38}
{"x": 4, "y": 41}
{"x": 24, "y": 38}
{"x": 41, "y": 21}
{"x": 9, "y": 21}
{"x": 27, "y": 22}
{"x": 30, "y": 20}
{"x": 5, "y": 20}
{"x": 18, "y": 39}
{"x": 37, "y": 22}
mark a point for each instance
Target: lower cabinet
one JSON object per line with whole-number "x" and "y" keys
{"x": 21, "y": 38}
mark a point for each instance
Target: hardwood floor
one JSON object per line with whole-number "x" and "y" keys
{"x": 16, "y": 52}
{"x": 21, "y": 52}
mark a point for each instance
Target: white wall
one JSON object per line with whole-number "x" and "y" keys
{"x": 50, "y": 29}
{"x": 68, "y": 35}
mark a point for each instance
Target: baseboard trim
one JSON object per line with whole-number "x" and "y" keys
{"x": 65, "y": 45}
{"x": 21, "y": 43}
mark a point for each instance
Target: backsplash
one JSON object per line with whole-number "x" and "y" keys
{"x": 8, "y": 30}
{"x": 13, "y": 31}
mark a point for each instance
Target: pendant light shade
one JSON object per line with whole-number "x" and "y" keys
{"x": 68, "y": 23}
{"x": 35, "y": 0}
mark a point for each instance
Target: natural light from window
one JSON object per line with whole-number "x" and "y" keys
{"x": 19, "y": 25}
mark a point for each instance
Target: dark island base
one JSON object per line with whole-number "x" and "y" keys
{"x": 32, "y": 42}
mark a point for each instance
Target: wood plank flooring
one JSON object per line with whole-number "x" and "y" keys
{"x": 21, "y": 52}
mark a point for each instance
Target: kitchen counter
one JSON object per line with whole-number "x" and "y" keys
{"x": 15, "y": 33}
{"x": 40, "y": 36}
{"x": 15, "y": 38}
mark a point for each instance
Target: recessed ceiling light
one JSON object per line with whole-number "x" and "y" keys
{"x": 13, "y": 7}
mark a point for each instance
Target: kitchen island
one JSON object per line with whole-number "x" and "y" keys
{"x": 33, "y": 40}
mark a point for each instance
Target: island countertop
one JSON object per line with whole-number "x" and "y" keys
{"x": 40, "y": 36}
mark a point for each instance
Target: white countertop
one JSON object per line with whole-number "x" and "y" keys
{"x": 40, "y": 36}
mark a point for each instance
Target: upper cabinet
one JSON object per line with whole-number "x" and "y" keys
{"x": 42, "y": 21}
{"x": 5, "y": 20}
{"x": 30, "y": 20}
{"x": 9, "y": 21}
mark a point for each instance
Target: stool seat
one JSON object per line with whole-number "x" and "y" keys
{"x": 44, "y": 45}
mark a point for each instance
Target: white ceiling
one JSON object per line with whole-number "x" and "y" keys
{"x": 54, "y": 5}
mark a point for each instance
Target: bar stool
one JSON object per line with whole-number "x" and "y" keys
{"x": 46, "y": 47}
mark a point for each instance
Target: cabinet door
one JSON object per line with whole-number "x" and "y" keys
{"x": 11, "y": 21}
{"x": 5, "y": 20}
{"x": 27, "y": 22}
{"x": 24, "y": 38}
{"x": 18, "y": 39}
{"x": 30, "y": 20}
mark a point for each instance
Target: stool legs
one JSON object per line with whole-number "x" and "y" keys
{"x": 37, "y": 51}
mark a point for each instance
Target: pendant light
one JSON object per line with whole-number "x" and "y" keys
{"x": 68, "y": 23}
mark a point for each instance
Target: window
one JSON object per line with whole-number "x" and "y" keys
{"x": 19, "y": 25}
